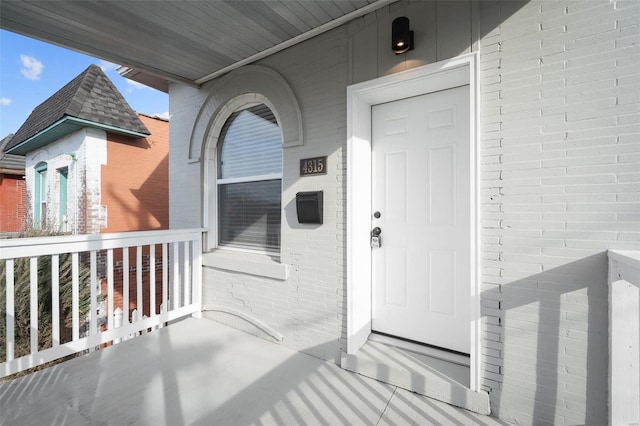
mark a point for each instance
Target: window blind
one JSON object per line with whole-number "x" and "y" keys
{"x": 249, "y": 211}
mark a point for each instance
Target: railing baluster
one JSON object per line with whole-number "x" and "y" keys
{"x": 196, "y": 275}
{"x": 152, "y": 280}
{"x": 10, "y": 310}
{"x": 33, "y": 294}
{"x": 165, "y": 276}
{"x": 125, "y": 285}
{"x": 55, "y": 300}
{"x": 110, "y": 292}
{"x": 93, "y": 314}
{"x": 186, "y": 282}
{"x": 139, "y": 301}
{"x": 176, "y": 276}
{"x": 75, "y": 296}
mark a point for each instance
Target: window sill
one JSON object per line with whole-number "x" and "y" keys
{"x": 247, "y": 263}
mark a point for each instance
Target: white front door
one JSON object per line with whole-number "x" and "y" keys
{"x": 421, "y": 203}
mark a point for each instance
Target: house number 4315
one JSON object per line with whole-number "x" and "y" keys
{"x": 313, "y": 166}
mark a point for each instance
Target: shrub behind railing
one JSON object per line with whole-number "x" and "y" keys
{"x": 22, "y": 314}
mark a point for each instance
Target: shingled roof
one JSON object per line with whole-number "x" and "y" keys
{"x": 89, "y": 100}
{"x": 10, "y": 163}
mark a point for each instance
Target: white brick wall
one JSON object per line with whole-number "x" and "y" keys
{"x": 560, "y": 164}
{"x": 559, "y": 181}
{"x": 307, "y": 308}
{"x": 83, "y": 180}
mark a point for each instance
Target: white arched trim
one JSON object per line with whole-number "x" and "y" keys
{"x": 236, "y": 89}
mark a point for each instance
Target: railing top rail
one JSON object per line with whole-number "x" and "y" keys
{"x": 35, "y": 246}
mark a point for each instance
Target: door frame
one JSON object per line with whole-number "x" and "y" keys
{"x": 361, "y": 97}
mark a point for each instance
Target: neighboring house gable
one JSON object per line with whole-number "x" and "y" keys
{"x": 89, "y": 100}
{"x": 65, "y": 142}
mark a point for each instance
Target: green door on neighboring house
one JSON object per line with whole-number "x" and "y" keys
{"x": 40, "y": 196}
{"x": 62, "y": 217}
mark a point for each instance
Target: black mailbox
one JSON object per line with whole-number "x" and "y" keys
{"x": 309, "y": 207}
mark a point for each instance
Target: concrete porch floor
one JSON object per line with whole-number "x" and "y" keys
{"x": 200, "y": 372}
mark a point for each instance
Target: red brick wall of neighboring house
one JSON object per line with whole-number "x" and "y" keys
{"x": 135, "y": 190}
{"x": 13, "y": 202}
{"x": 118, "y": 274}
{"x": 135, "y": 180}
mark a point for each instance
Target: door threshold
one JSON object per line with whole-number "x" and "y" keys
{"x": 422, "y": 349}
{"x": 435, "y": 378}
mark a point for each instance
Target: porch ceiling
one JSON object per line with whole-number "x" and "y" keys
{"x": 187, "y": 41}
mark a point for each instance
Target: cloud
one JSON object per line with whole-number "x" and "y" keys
{"x": 5, "y": 101}
{"x": 162, "y": 115}
{"x": 31, "y": 67}
{"x": 133, "y": 85}
{"x": 107, "y": 66}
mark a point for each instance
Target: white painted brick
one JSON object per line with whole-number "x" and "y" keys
{"x": 581, "y": 143}
{"x": 619, "y": 226}
{"x": 629, "y": 158}
{"x": 604, "y": 207}
{"x": 579, "y": 180}
{"x": 630, "y": 237}
{"x": 543, "y": 225}
{"x": 532, "y": 242}
{"x": 534, "y": 207}
{"x": 631, "y": 118}
{"x": 601, "y": 245}
{"x": 630, "y": 80}
{"x": 610, "y": 83}
{"x": 606, "y": 188}
{"x": 581, "y": 217}
{"x": 630, "y": 41}
{"x": 628, "y": 21}
{"x": 515, "y": 233}
{"x": 628, "y": 198}
{"x": 571, "y": 234}
{"x": 567, "y": 253}
{"x": 580, "y": 161}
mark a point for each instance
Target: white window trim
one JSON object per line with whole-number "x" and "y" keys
{"x": 210, "y": 173}
{"x": 40, "y": 191}
{"x": 271, "y": 176}
{"x": 360, "y": 98}
{"x": 252, "y": 263}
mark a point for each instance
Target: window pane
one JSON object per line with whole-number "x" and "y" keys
{"x": 251, "y": 144}
{"x": 250, "y": 214}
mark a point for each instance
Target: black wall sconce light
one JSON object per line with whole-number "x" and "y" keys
{"x": 401, "y": 36}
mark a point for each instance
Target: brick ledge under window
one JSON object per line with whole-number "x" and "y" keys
{"x": 248, "y": 263}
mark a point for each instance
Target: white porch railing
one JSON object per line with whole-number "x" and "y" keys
{"x": 624, "y": 337}
{"x": 171, "y": 271}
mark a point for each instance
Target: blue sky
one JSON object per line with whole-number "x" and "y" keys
{"x": 31, "y": 71}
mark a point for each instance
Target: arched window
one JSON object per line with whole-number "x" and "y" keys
{"x": 249, "y": 180}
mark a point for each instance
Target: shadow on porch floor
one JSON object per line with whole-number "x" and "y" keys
{"x": 200, "y": 372}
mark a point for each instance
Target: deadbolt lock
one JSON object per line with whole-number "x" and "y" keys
{"x": 376, "y": 240}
